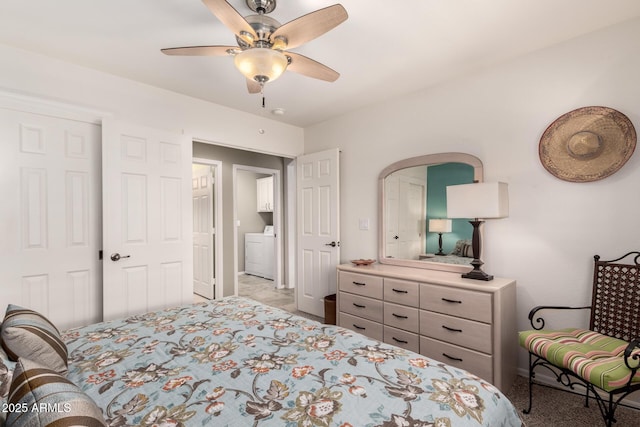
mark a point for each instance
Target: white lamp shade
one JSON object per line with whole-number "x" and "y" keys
{"x": 261, "y": 64}
{"x": 440, "y": 225}
{"x": 481, "y": 200}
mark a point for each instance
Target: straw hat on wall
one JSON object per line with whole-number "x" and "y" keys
{"x": 587, "y": 144}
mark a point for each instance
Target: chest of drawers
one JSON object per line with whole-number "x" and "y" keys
{"x": 464, "y": 323}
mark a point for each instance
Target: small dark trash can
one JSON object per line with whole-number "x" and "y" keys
{"x": 330, "y": 309}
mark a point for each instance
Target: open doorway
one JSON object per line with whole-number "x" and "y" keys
{"x": 227, "y": 248}
{"x": 258, "y": 220}
{"x": 207, "y": 229}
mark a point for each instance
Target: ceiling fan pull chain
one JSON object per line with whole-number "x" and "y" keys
{"x": 263, "y": 101}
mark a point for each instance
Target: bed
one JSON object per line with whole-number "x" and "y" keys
{"x": 447, "y": 259}
{"x": 462, "y": 254}
{"x": 235, "y": 362}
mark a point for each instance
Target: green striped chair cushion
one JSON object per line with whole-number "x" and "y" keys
{"x": 27, "y": 333}
{"x": 594, "y": 357}
{"x": 42, "y": 397}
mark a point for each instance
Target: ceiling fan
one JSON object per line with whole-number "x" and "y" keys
{"x": 262, "y": 53}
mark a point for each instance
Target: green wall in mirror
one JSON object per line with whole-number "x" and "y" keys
{"x": 438, "y": 178}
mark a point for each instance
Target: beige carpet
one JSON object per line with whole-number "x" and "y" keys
{"x": 556, "y": 408}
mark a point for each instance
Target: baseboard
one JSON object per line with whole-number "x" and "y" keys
{"x": 632, "y": 401}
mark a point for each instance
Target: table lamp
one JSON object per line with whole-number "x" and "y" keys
{"x": 480, "y": 201}
{"x": 440, "y": 226}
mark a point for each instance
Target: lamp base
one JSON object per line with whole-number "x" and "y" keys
{"x": 478, "y": 275}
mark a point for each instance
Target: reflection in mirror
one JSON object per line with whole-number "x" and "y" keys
{"x": 413, "y": 207}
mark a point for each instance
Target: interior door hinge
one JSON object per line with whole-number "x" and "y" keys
{"x": 100, "y": 254}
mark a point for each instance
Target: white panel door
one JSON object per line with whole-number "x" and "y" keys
{"x": 318, "y": 210}
{"x": 203, "y": 231}
{"x": 50, "y": 216}
{"x": 405, "y": 217}
{"x": 147, "y": 219}
{"x": 411, "y": 218}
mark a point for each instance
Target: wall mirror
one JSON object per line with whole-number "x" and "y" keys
{"x": 412, "y": 207}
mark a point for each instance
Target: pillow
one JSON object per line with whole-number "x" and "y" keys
{"x": 42, "y": 397}
{"x": 459, "y": 248}
{"x": 467, "y": 250}
{"x": 27, "y": 333}
{"x": 6, "y": 372}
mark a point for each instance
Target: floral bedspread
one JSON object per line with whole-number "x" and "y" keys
{"x": 235, "y": 362}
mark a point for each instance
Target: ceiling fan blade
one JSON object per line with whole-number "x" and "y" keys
{"x": 200, "y": 50}
{"x": 308, "y": 67}
{"x": 253, "y": 86}
{"x": 230, "y": 17}
{"x": 311, "y": 25}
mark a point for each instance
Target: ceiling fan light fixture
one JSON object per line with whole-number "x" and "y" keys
{"x": 279, "y": 43}
{"x": 261, "y": 64}
{"x": 246, "y": 37}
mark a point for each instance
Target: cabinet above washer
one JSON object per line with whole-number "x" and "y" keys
{"x": 265, "y": 194}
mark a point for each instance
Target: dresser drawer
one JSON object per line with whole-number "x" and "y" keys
{"x": 401, "y": 292}
{"x": 457, "y": 302}
{"x": 360, "y": 325}
{"x": 361, "y": 284}
{"x": 478, "y": 364}
{"x": 467, "y": 333}
{"x": 402, "y": 317}
{"x": 398, "y": 337}
{"x": 357, "y": 305}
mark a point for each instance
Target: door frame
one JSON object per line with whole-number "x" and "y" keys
{"x": 291, "y": 217}
{"x": 217, "y": 225}
{"x": 277, "y": 221}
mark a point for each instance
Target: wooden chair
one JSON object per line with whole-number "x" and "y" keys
{"x": 604, "y": 358}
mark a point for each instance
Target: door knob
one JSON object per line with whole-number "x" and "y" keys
{"x": 396, "y": 237}
{"x": 117, "y": 256}
{"x": 332, "y": 244}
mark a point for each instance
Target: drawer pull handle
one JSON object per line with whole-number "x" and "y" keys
{"x": 359, "y": 284}
{"x": 451, "y": 329}
{"x": 359, "y": 305}
{"x": 451, "y": 301}
{"x": 359, "y": 327}
{"x": 399, "y": 316}
{"x": 457, "y": 359}
{"x": 400, "y": 341}
{"x": 400, "y": 291}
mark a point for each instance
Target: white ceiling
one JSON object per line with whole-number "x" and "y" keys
{"x": 384, "y": 49}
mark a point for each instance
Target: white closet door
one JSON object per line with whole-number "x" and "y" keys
{"x": 49, "y": 216}
{"x": 147, "y": 216}
{"x": 318, "y": 229}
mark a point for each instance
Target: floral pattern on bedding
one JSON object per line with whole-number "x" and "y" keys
{"x": 236, "y": 362}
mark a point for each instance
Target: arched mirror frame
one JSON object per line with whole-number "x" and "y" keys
{"x": 426, "y": 160}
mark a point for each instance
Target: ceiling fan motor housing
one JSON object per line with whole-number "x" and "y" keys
{"x": 263, "y": 26}
{"x": 261, "y": 6}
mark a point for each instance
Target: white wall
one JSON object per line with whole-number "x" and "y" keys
{"x": 499, "y": 114}
{"x": 33, "y": 74}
